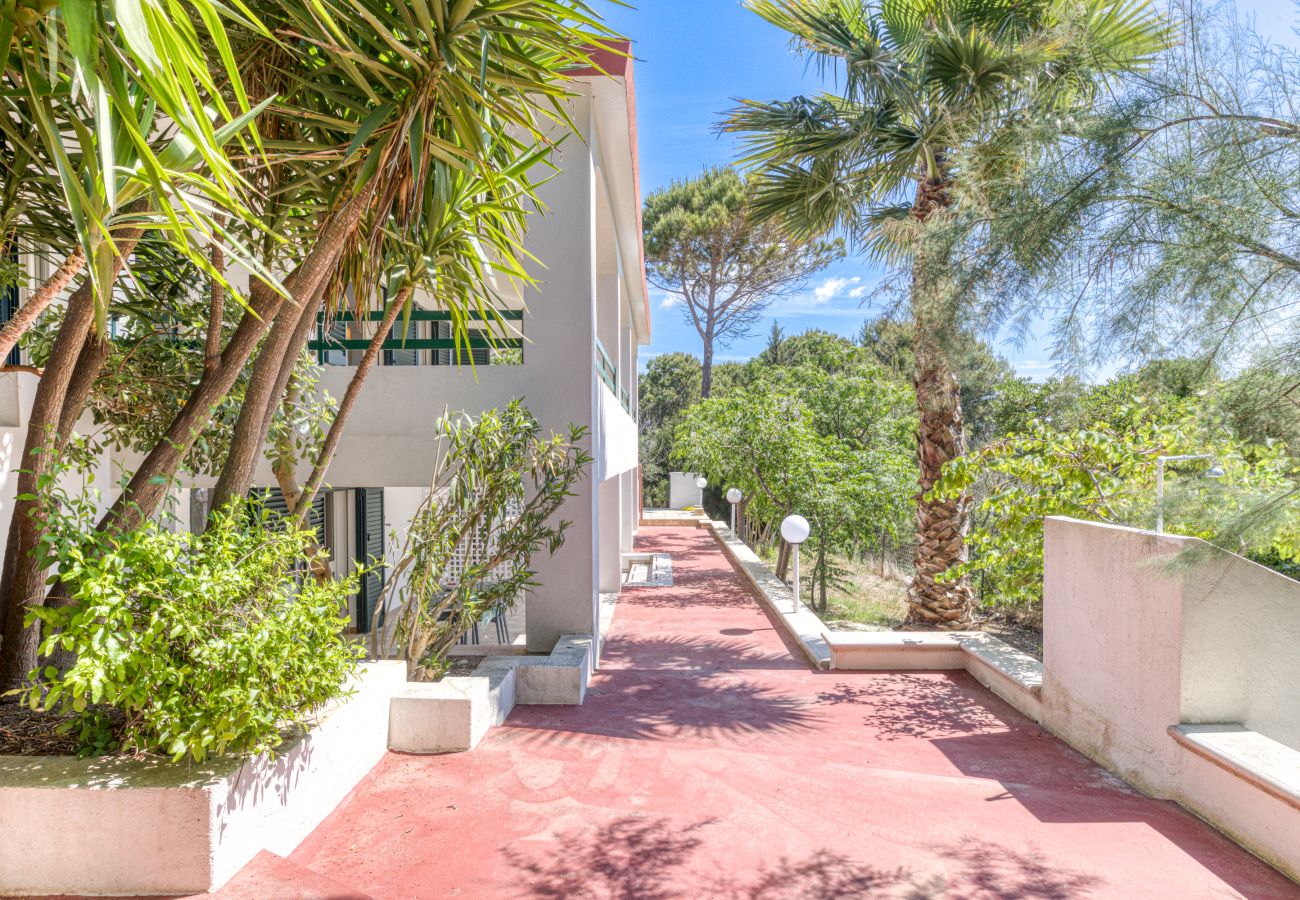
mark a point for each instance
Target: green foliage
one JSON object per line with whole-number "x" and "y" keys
{"x": 1106, "y": 472}
{"x": 833, "y": 446}
{"x": 670, "y": 383}
{"x": 11, "y": 273}
{"x": 498, "y": 482}
{"x": 187, "y": 645}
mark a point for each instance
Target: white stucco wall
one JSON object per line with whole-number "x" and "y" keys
{"x": 682, "y": 491}
{"x": 1138, "y": 639}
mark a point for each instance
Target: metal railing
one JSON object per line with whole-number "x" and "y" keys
{"x": 608, "y": 373}
{"x": 325, "y": 342}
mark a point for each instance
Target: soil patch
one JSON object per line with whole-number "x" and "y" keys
{"x": 27, "y": 733}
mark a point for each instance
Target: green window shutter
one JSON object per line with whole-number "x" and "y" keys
{"x": 370, "y": 549}
{"x": 403, "y": 357}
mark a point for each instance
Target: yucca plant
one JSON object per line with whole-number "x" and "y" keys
{"x": 935, "y": 96}
{"x": 378, "y": 122}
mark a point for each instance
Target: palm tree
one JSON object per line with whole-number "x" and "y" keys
{"x": 936, "y": 94}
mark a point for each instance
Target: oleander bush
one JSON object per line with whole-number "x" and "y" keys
{"x": 187, "y": 644}
{"x": 492, "y": 504}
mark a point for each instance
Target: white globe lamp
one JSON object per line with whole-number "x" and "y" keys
{"x": 701, "y": 483}
{"x": 734, "y": 496}
{"x": 795, "y": 530}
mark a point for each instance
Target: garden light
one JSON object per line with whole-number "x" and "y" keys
{"x": 734, "y": 496}
{"x": 795, "y": 530}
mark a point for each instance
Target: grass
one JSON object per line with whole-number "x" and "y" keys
{"x": 866, "y": 601}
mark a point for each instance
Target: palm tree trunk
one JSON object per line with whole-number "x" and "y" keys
{"x": 941, "y": 525}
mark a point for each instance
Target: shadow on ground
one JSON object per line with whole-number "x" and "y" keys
{"x": 648, "y": 858}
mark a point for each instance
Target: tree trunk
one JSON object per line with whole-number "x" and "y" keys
{"x": 706, "y": 364}
{"x": 149, "y": 484}
{"x": 23, "y": 584}
{"x": 941, "y": 525}
{"x": 39, "y": 300}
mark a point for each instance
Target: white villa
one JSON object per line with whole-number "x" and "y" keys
{"x": 578, "y": 335}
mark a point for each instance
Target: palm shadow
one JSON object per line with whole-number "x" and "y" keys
{"x": 653, "y": 858}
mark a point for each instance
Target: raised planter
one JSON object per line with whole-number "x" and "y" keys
{"x": 148, "y": 827}
{"x": 454, "y": 714}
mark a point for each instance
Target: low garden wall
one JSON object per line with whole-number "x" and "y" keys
{"x": 1175, "y": 665}
{"x": 147, "y": 826}
{"x": 117, "y": 825}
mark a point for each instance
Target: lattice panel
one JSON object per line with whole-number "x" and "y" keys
{"x": 481, "y": 545}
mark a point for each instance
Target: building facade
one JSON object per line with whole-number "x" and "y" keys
{"x": 570, "y": 356}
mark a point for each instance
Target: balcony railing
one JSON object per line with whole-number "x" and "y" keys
{"x": 608, "y": 373}
{"x": 407, "y": 347}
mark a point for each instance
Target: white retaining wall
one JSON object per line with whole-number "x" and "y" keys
{"x": 1141, "y": 642}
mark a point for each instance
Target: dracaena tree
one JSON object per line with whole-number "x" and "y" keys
{"x": 381, "y": 123}
{"x": 933, "y": 96}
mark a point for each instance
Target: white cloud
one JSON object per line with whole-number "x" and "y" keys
{"x": 669, "y": 301}
{"x": 837, "y": 296}
{"x": 835, "y": 286}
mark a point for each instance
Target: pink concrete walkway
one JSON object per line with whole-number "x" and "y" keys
{"x": 709, "y": 762}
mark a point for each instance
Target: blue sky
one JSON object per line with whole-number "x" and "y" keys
{"x": 694, "y": 58}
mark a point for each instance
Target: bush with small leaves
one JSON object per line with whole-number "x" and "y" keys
{"x": 188, "y": 644}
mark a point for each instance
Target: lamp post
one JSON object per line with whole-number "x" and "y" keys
{"x": 795, "y": 530}
{"x": 701, "y": 483}
{"x": 734, "y": 496}
{"x": 1216, "y": 471}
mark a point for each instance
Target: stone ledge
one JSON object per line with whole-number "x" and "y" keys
{"x": 559, "y": 679}
{"x": 673, "y": 518}
{"x": 658, "y": 569}
{"x": 802, "y": 625}
{"x": 1267, "y": 764}
{"x": 150, "y": 826}
{"x": 1014, "y": 676}
{"x": 895, "y": 650}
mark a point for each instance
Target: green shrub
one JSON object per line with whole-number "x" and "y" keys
{"x": 498, "y": 479}
{"x": 1107, "y": 473}
{"x": 185, "y": 644}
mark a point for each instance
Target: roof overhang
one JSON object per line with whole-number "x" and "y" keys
{"x": 613, "y": 93}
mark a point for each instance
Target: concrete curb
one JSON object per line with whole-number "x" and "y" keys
{"x": 801, "y": 624}
{"x": 1014, "y": 676}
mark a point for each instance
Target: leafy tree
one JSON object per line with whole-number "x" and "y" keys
{"x": 670, "y": 384}
{"x": 832, "y": 446}
{"x": 1106, "y": 472}
{"x": 937, "y": 96}
{"x": 498, "y": 483}
{"x": 418, "y": 139}
{"x": 1172, "y": 209}
{"x": 703, "y": 246}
